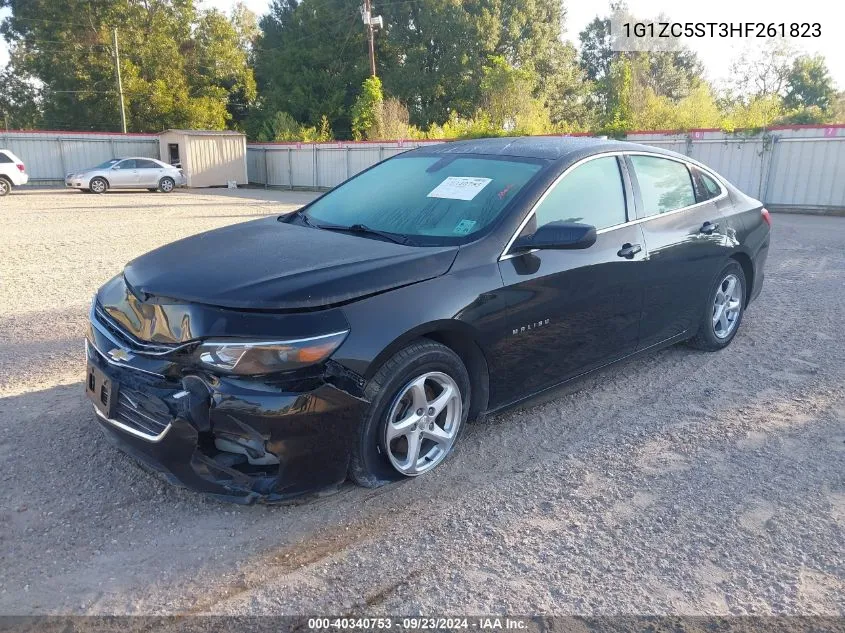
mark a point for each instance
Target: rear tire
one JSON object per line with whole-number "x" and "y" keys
{"x": 722, "y": 315}
{"x": 166, "y": 184}
{"x": 153, "y": 189}
{"x": 5, "y": 186}
{"x": 98, "y": 185}
{"x": 385, "y": 440}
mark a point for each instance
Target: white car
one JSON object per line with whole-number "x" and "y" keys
{"x": 12, "y": 172}
{"x": 127, "y": 173}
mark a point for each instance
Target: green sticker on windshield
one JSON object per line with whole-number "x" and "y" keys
{"x": 463, "y": 227}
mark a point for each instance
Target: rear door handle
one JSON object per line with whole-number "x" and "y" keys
{"x": 629, "y": 250}
{"x": 708, "y": 228}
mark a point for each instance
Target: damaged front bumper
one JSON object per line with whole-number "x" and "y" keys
{"x": 236, "y": 439}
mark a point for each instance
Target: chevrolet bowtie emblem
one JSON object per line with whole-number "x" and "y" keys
{"x": 120, "y": 354}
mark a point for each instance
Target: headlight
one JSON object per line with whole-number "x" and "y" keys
{"x": 252, "y": 358}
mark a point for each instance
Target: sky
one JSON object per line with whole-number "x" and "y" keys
{"x": 716, "y": 54}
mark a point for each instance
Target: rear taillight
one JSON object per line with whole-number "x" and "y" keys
{"x": 21, "y": 167}
{"x": 766, "y": 217}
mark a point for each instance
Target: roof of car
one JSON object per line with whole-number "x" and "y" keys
{"x": 544, "y": 147}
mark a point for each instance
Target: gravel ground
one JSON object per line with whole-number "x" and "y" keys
{"x": 683, "y": 482}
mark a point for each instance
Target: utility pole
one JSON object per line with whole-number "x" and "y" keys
{"x": 371, "y": 23}
{"x": 119, "y": 81}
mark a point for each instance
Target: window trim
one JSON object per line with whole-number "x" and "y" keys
{"x": 699, "y": 175}
{"x": 506, "y": 255}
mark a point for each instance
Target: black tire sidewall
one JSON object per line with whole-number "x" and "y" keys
{"x": 370, "y": 465}
{"x": 706, "y": 331}
{"x": 7, "y": 189}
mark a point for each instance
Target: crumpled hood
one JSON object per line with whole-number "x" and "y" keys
{"x": 267, "y": 264}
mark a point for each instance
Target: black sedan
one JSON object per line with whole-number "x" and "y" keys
{"x": 357, "y": 336}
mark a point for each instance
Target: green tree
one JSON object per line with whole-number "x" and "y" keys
{"x": 19, "y": 107}
{"x": 310, "y": 60}
{"x": 365, "y": 110}
{"x": 596, "y": 49}
{"x": 507, "y": 98}
{"x": 761, "y": 71}
{"x": 648, "y": 77}
{"x": 181, "y": 67}
{"x": 808, "y": 84}
{"x": 432, "y": 53}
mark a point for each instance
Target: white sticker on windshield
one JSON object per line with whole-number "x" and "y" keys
{"x": 459, "y": 187}
{"x": 463, "y": 227}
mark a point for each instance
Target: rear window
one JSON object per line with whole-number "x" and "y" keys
{"x": 711, "y": 188}
{"x": 444, "y": 198}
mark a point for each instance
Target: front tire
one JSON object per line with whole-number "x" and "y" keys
{"x": 166, "y": 184}
{"x": 419, "y": 399}
{"x": 98, "y": 185}
{"x": 5, "y": 186}
{"x": 723, "y": 313}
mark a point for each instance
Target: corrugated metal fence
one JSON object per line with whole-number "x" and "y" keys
{"x": 49, "y": 156}
{"x": 802, "y": 167}
{"x": 317, "y": 165}
{"x": 798, "y": 168}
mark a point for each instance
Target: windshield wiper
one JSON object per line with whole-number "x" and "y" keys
{"x": 298, "y": 214}
{"x": 396, "y": 238}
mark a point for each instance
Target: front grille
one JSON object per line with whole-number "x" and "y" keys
{"x": 146, "y": 414}
{"x": 124, "y": 339}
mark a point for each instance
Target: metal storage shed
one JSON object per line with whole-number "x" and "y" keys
{"x": 209, "y": 158}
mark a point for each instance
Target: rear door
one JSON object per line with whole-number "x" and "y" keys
{"x": 149, "y": 172}
{"x": 570, "y": 311}
{"x": 687, "y": 241}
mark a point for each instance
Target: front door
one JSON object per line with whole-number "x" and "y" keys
{"x": 124, "y": 175}
{"x": 570, "y": 311}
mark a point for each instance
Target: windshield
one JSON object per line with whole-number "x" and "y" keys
{"x": 443, "y": 197}
{"x": 108, "y": 163}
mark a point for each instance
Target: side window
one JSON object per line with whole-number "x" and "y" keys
{"x": 129, "y": 163}
{"x": 665, "y": 185}
{"x": 4, "y": 158}
{"x": 711, "y": 188}
{"x": 146, "y": 164}
{"x": 591, "y": 194}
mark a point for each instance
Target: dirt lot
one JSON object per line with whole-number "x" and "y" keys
{"x": 684, "y": 482}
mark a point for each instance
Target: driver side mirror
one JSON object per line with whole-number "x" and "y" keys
{"x": 557, "y": 235}
{"x": 116, "y": 167}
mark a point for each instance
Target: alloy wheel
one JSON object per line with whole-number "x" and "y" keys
{"x": 97, "y": 186}
{"x": 166, "y": 185}
{"x": 726, "y": 306}
{"x": 4, "y": 187}
{"x": 423, "y": 423}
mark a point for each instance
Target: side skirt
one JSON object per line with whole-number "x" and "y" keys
{"x": 633, "y": 355}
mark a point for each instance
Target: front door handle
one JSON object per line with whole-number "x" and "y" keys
{"x": 629, "y": 250}
{"x": 708, "y": 228}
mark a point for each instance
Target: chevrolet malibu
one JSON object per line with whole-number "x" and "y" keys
{"x": 358, "y": 336}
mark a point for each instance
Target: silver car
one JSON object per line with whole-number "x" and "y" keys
{"x": 127, "y": 173}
